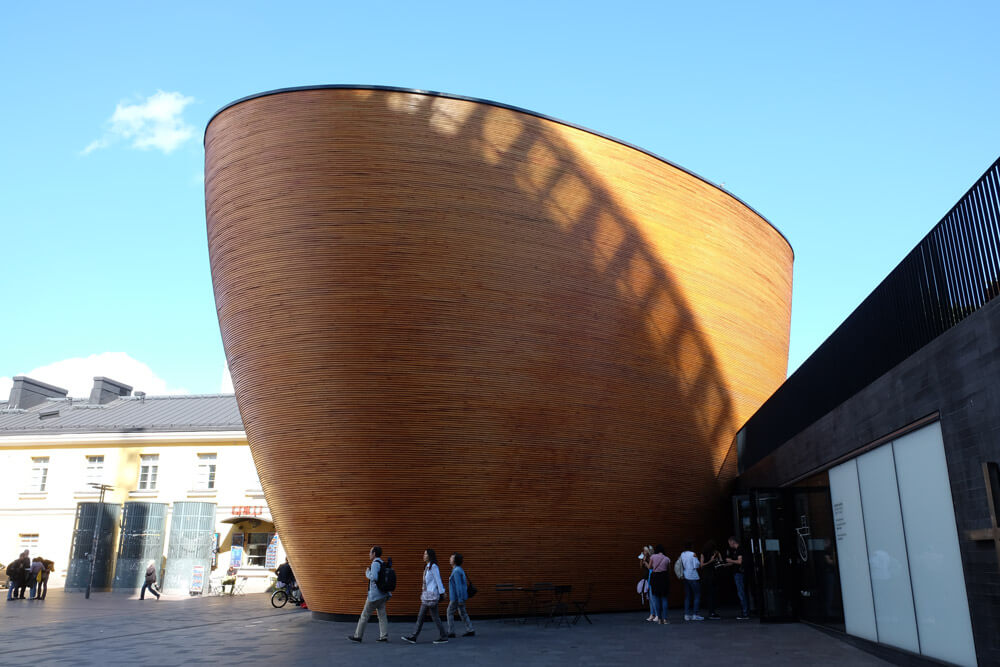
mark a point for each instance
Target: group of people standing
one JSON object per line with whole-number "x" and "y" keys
{"x": 699, "y": 573}
{"x": 31, "y": 574}
{"x": 380, "y": 589}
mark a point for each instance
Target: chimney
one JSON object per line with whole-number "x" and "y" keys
{"x": 27, "y": 393}
{"x": 106, "y": 390}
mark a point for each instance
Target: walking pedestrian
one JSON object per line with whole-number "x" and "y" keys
{"x": 692, "y": 585}
{"x": 430, "y": 595}
{"x": 150, "y": 582}
{"x": 711, "y": 560}
{"x": 458, "y": 593}
{"x": 659, "y": 584}
{"x": 376, "y": 600}
{"x": 734, "y": 559}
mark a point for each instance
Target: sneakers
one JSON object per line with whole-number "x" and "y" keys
{"x": 380, "y": 639}
{"x": 441, "y": 640}
{"x": 714, "y": 617}
{"x": 470, "y": 633}
{"x": 696, "y": 617}
{"x": 354, "y": 639}
{"x": 743, "y": 617}
{"x": 664, "y": 621}
{"x": 409, "y": 638}
{"x": 687, "y": 617}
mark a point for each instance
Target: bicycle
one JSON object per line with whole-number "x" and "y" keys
{"x": 280, "y": 597}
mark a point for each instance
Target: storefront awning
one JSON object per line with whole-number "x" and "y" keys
{"x": 242, "y": 519}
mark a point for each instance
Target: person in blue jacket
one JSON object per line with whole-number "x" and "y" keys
{"x": 458, "y": 593}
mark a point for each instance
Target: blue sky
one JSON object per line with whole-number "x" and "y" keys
{"x": 853, "y": 127}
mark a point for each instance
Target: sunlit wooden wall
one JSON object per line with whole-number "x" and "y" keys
{"x": 457, "y": 325}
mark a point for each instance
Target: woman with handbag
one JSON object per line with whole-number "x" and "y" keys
{"x": 430, "y": 595}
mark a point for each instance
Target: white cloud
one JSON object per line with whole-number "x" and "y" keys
{"x": 155, "y": 122}
{"x": 77, "y": 375}
{"x": 226, "y": 386}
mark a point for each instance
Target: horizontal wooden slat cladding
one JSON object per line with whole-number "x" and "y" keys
{"x": 459, "y": 326}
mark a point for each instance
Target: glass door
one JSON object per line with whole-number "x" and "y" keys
{"x": 772, "y": 554}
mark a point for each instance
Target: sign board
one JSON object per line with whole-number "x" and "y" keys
{"x": 271, "y": 560}
{"x": 236, "y": 557}
{"x": 197, "y": 578}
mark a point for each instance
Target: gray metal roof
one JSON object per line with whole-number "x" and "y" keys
{"x": 129, "y": 414}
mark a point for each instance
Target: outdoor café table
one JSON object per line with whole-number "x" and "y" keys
{"x": 531, "y": 592}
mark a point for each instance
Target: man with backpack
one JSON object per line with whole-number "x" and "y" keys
{"x": 381, "y": 582}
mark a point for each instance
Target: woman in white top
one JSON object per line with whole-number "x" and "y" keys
{"x": 430, "y": 595}
{"x": 692, "y": 585}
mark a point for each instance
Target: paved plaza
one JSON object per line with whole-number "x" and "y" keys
{"x": 112, "y": 629}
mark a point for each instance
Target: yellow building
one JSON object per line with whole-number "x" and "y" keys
{"x": 155, "y": 451}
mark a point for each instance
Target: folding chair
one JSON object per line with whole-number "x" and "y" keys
{"x": 542, "y": 595}
{"x": 240, "y": 584}
{"x": 581, "y": 605}
{"x": 507, "y": 594}
{"x": 559, "y": 606}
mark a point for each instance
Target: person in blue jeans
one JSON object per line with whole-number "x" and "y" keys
{"x": 458, "y": 593}
{"x": 692, "y": 586}
{"x": 734, "y": 559}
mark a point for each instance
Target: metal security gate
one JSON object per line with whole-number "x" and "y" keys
{"x": 141, "y": 542}
{"x": 191, "y": 547}
{"x": 78, "y": 573}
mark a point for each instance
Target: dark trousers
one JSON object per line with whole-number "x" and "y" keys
{"x": 152, "y": 589}
{"x": 43, "y": 588}
{"x": 708, "y": 589}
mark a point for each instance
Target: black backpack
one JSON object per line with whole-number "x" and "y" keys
{"x": 386, "y": 579}
{"x": 470, "y": 590}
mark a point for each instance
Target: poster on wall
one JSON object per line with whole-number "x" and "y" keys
{"x": 197, "y": 578}
{"x": 236, "y": 557}
{"x": 271, "y": 560}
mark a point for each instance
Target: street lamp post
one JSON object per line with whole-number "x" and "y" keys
{"x": 97, "y": 532}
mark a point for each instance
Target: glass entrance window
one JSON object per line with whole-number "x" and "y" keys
{"x": 256, "y": 548}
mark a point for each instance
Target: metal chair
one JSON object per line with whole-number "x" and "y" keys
{"x": 559, "y": 606}
{"x": 507, "y": 594}
{"x": 240, "y": 584}
{"x": 541, "y": 596}
{"x": 581, "y": 605}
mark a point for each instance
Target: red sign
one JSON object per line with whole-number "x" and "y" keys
{"x": 249, "y": 510}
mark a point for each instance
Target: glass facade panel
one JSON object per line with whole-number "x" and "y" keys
{"x": 887, "y": 559}
{"x": 939, "y": 596}
{"x": 852, "y": 551}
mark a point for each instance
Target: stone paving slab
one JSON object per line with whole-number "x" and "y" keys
{"x": 108, "y": 629}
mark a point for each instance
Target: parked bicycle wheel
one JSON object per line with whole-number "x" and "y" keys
{"x": 279, "y": 598}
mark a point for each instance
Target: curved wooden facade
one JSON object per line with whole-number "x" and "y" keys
{"x": 459, "y": 325}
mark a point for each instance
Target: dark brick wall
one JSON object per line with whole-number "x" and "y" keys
{"x": 958, "y": 376}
